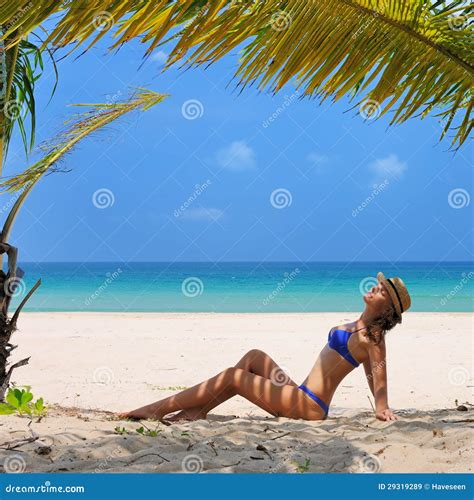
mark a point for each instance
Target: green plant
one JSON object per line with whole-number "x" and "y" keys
{"x": 20, "y": 401}
{"x": 120, "y": 430}
{"x": 302, "y": 467}
{"x": 146, "y": 431}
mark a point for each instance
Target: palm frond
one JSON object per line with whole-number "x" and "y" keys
{"x": 77, "y": 128}
{"x": 409, "y": 56}
{"x": 20, "y": 105}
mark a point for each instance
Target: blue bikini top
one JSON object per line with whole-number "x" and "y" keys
{"x": 337, "y": 340}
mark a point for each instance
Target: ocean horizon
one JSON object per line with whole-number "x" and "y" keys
{"x": 238, "y": 286}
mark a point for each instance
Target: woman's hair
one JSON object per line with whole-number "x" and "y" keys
{"x": 382, "y": 324}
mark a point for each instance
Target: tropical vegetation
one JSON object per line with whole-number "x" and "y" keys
{"x": 409, "y": 57}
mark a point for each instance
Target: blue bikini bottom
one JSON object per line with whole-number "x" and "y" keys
{"x": 313, "y": 396}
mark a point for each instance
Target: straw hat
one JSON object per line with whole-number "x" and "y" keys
{"x": 398, "y": 292}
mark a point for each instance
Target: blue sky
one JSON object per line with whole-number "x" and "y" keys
{"x": 214, "y": 175}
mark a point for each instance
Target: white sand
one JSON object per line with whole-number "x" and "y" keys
{"x": 114, "y": 362}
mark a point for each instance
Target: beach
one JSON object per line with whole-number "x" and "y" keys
{"x": 88, "y": 365}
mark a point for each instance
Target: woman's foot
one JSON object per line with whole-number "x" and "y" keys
{"x": 188, "y": 415}
{"x": 143, "y": 413}
{"x": 125, "y": 416}
{"x": 151, "y": 412}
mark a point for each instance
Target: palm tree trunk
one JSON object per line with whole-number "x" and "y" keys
{"x": 9, "y": 280}
{"x": 3, "y": 95}
{"x": 4, "y": 337}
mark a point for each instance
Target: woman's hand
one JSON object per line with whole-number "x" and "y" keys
{"x": 386, "y": 415}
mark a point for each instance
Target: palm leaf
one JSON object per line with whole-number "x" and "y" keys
{"x": 77, "y": 128}
{"x": 19, "y": 105}
{"x": 408, "y": 56}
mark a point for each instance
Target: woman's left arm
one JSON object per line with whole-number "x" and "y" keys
{"x": 378, "y": 363}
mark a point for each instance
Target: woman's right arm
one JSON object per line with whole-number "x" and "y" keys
{"x": 369, "y": 376}
{"x": 378, "y": 365}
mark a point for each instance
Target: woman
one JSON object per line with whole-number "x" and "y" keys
{"x": 253, "y": 377}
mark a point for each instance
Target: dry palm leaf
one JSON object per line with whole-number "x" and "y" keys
{"x": 79, "y": 127}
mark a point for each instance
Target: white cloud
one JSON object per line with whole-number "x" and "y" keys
{"x": 209, "y": 214}
{"x": 238, "y": 156}
{"x": 390, "y": 166}
{"x": 159, "y": 56}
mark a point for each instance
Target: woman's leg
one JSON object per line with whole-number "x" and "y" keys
{"x": 278, "y": 400}
{"x": 217, "y": 387}
{"x": 285, "y": 400}
{"x": 254, "y": 361}
{"x": 260, "y": 363}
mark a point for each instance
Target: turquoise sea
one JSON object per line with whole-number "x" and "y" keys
{"x": 239, "y": 287}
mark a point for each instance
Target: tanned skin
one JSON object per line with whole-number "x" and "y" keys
{"x": 253, "y": 378}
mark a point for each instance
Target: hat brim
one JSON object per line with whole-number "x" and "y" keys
{"x": 382, "y": 279}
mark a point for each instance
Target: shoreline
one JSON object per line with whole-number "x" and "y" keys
{"x": 224, "y": 313}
